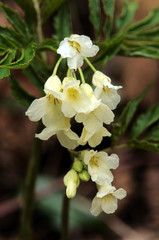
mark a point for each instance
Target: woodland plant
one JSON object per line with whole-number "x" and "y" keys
{"x": 76, "y": 91}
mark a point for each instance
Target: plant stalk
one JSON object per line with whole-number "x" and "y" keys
{"x": 65, "y": 218}
{"x": 29, "y": 187}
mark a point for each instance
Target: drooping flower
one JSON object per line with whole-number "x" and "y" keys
{"x": 48, "y": 108}
{"x": 106, "y": 199}
{"x": 105, "y": 90}
{"x": 99, "y": 165}
{"x": 75, "y": 49}
{"x": 93, "y": 139}
{"x": 74, "y": 100}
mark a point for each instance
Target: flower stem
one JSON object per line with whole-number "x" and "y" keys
{"x": 39, "y": 26}
{"x": 90, "y": 64}
{"x": 65, "y": 218}
{"x": 81, "y": 75}
{"x": 56, "y": 66}
{"x": 28, "y": 193}
{"x": 121, "y": 146}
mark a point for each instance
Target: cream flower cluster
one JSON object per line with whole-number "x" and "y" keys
{"x": 90, "y": 105}
{"x": 97, "y": 166}
{"x": 73, "y": 100}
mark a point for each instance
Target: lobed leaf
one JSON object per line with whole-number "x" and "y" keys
{"x": 19, "y": 93}
{"x": 108, "y": 6}
{"x": 62, "y": 23}
{"x": 144, "y": 121}
{"x": 147, "y": 23}
{"x": 15, "y": 21}
{"x": 126, "y": 116}
{"x": 145, "y": 144}
{"x": 126, "y": 16}
{"x": 49, "y": 7}
{"x": 95, "y": 15}
{"x": 48, "y": 45}
{"x": 27, "y": 55}
{"x": 28, "y": 8}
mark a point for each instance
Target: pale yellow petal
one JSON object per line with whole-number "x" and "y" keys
{"x": 96, "y": 206}
{"x": 109, "y": 204}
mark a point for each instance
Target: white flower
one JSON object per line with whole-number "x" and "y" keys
{"x": 106, "y": 199}
{"x": 99, "y": 165}
{"x": 74, "y": 100}
{"x": 93, "y": 139}
{"x": 93, "y": 121}
{"x": 75, "y": 49}
{"x": 105, "y": 90}
{"x": 48, "y": 108}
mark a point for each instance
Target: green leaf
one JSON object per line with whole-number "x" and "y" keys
{"x": 28, "y": 8}
{"x": 24, "y": 60}
{"x": 49, "y": 7}
{"x": 140, "y": 49}
{"x": 154, "y": 133}
{"x": 126, "y": 16}
{"x": 4, "y": 72}
{"x": 34, "y": 78}
{"x": 144, "y": 121}
{"x": 13, "y": 36}
{"x": 108, "y": 6}
{"x": 126, "y": 116}
{"x": 95, "y": 15}
{"x": 145, "y": 144}
{"x": 19, "y": 93}
{"x": 62, "y": 23}
{"x": 15, "y": 20}
{"x": 108, "y": 49}
{"x": 147, "y": 23}
{"x": 48, "y": 45}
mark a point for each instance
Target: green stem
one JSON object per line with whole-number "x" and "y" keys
{"x": 121, "y": 146}
{"x": 65, "y": 218}
{"x": 90, "y": 64}
{"x": 28, "y": 194}
{"x": 56, "y": 66}
{"x": 81, "y": 75}
{"x": 39, "y": 26}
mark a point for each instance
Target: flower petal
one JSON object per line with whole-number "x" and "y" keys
{"x": 109, "y": 204}
{"x": 96, "y": 206}
{"x": 120, "y": 193}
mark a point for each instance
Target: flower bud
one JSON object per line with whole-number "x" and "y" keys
{"x": 84, "y": 175}
{"x": 78, "y": 166}
{"x": 71, "y": 181}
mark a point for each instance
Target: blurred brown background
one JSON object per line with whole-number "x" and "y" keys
{"x": 138, "y": 215}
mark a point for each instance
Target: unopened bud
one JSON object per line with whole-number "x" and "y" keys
{"x": 71, "y": 181}
{"x": 78, "y": 166}
{"x": 84, "y": 176}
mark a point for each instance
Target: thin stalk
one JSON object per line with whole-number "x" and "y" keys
{"x": 29, "y": 187}
{"x": 121, "y": 146}
{"x": 56, "y": 66}
{"x": 81, "y": 75}
{"x": 39, "y": 26}
{"x": 65, "y": 218}
{"x": 90, "y": 64}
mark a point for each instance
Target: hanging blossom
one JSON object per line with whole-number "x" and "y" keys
{"x": 99, "y": 165}
{"x": 106, "y": 199}
{"x": 75, "y": 49}
{"x": 48, "y": 108}
{"x": 106, "y": 91}
{"x": 72, "y": 101}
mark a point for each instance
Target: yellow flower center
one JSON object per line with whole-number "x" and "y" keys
{"x": 106, "y": 89}
{"x": 94, "y": 161}
{"x": 73, "y": 93}
{"x": 75, "y": 45}
{"x": 50, "y": 97}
